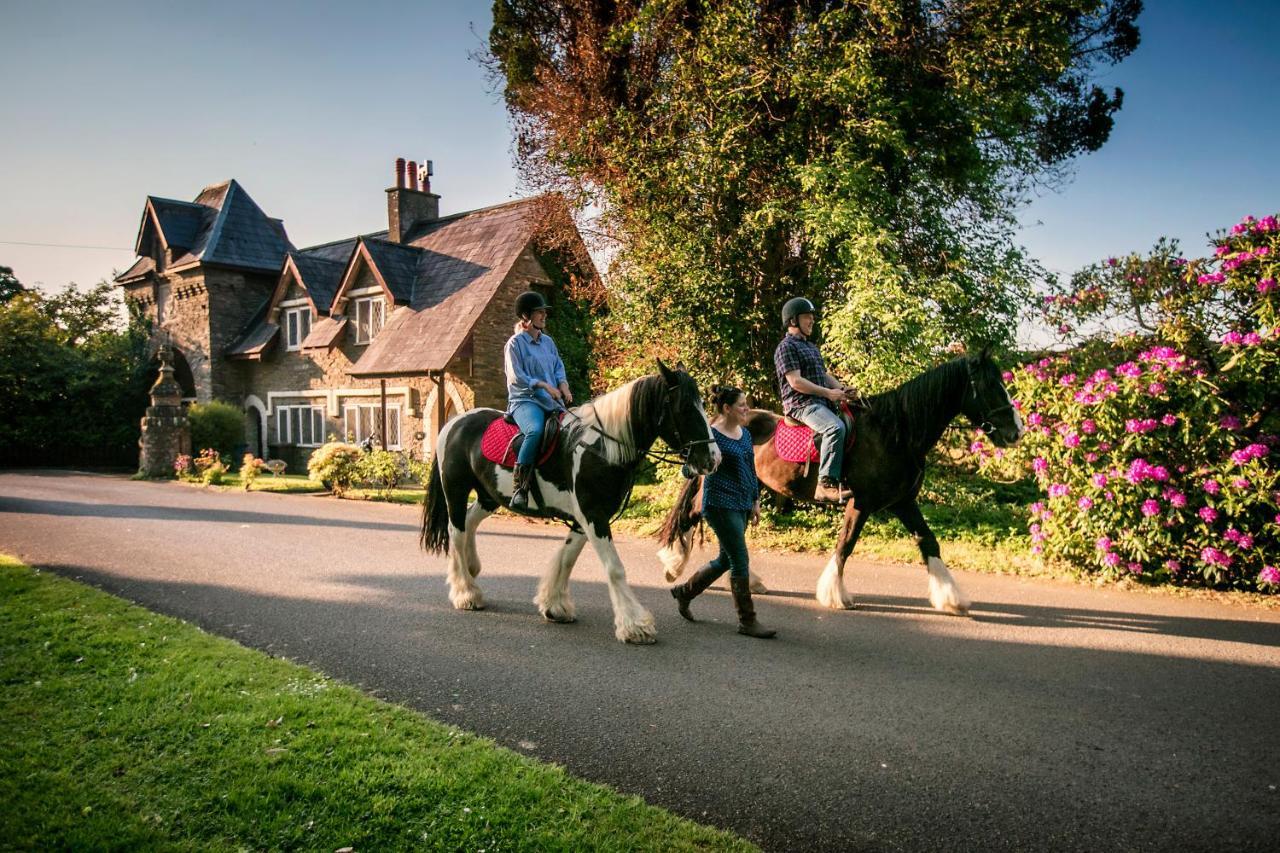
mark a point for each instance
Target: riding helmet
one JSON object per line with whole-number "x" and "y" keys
{"x": 794, "y": 308}
{"x": 528, "y": 302}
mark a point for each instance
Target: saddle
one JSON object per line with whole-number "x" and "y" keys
{"x": 502, "y": 439}
{"x": 794, "y": 442}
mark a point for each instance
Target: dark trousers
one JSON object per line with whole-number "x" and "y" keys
{"x": 730, "y": 527}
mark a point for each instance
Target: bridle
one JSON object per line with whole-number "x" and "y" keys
{"x": 685, "y": 447}
{"x": 986, "y": 424}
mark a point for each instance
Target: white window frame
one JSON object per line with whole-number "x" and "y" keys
{"x": 360, "y": 421}
{"x": 294, "y": 321}
{"x": 370, "y": 315}
{"x": 286, "y": 421}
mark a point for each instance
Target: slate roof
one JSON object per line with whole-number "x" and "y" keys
{"x": 222, "y": 226}
{"x": 254, "y": 344}
{"x": 320, "y": 276}
{"x": 461, "y": 262}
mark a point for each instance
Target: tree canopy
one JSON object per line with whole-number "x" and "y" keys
{"x": 868, "y": 155}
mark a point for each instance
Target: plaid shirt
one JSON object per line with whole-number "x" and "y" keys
{"x": 797, "y": 353}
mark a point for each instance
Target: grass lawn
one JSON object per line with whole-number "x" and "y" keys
{"x": 123, "y": 729}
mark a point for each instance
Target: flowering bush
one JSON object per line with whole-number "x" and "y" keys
{"x": 381, "y": 469}
{"x": 209, "y": 467}
{"x": 184, "y": 467}
{"x": 251, "y": 467}
{"x": 1158, "y": 459}
{"x": 334, "y": 465}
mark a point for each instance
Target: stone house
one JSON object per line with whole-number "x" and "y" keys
{"x": 383, "y": 335}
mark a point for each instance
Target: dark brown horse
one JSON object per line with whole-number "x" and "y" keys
{"x": 884, "y": 469}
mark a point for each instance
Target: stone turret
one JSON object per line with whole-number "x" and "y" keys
{"x": 166, "y": 432}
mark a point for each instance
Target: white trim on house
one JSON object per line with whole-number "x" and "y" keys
{"x": 294, "y": 303}
{"x": 333, "y": 398}
{"x": 375, "y": 309}
{"x": 293, "y": 321}
{"x": 254, "y": 402}
{"x": 373, "y": 290}
{"x": 429, "y": 425}
{"x": 309, "y": 424}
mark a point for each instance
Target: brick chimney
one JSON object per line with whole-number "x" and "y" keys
{"x": 407, "y": 205}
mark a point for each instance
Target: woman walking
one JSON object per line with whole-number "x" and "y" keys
{"x": 730, "y": 500}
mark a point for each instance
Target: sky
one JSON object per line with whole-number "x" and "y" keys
{"x": 308, "y": 104}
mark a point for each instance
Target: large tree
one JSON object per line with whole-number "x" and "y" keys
{"x": 869, "y": 155}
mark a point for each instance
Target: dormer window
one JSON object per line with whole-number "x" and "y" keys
{"x": 369, "y": 314}
{"x": 297, "y": 325}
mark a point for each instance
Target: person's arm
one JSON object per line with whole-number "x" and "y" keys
{"x": 804, "y": 386}
{"x": 517, "y": 375}
{"x": 562, "y": 380}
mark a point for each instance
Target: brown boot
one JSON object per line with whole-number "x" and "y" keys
{"x": 689, "y": 590}
{"x": 520, "y": 490}
{"x": 831, "y": 491}
{"x": 747, "y": 623}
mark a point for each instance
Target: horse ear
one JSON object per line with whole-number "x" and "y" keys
{"x": 665, "y": 371}
{"x": 985, "y": 353}
{"x": 680, "y": 368}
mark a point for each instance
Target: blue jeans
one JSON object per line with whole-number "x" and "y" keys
{"x": 531, "y": 418}
{"x": 730, "y": 526}
{"x": 828, "y": 428}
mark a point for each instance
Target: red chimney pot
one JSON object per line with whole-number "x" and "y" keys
{"x": 399, "y": 173}
{"x": 412, "y": 170}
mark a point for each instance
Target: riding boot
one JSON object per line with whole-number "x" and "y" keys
{"x": 520, "y": 488}
{"x": 830, "y": 490}
{"x": 747, "y": 623}
{"x": 689, "y": 590}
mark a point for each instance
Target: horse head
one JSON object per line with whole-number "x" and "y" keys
{"x": 684, "y": 422}
{"x": 987, "y": 404}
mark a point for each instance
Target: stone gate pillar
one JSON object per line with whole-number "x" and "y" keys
{"x": 166, "y": 432}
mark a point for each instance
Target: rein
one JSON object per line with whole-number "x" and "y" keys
{"x": 987, "y": 425}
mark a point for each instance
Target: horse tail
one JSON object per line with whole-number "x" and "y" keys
{"x": 435, "y": 514}
{"x": 676, "y": 533}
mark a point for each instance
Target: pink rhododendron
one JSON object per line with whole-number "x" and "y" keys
{"x": 1059, "y": 490}
{"x": 1103, "y": 543}
{"x": 1134, "y": 568}
{"x": 1099, "y": 479}
{"x": 1213, "y": 487}
{"x": 1269, "y": 575}
{"x": 1085, "y": 503}
{"x": 1208, "y": 514}
{"x": 1229, "y": 422}
{"x": 1169, "y": 419}
{"x": 1150, "y": 507}
{"x": 1111, "y": 558}
{"x": 1214, "y": 557}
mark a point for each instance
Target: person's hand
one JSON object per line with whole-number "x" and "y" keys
{"x": 568, "y": 395}
{"x": 553, "y": 391}
{"x": 835, "y": 395}
{"x": 755, "y": 515}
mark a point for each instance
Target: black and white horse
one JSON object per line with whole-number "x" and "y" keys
{"x": 584, "y": 483}
{"x": 884, "y": 470}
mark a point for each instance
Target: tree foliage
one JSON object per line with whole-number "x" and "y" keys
{"x": 74, "y": 377}
{"x": 867, "y": 155}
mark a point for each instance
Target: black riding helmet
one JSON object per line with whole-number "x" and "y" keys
{"x": 528, "y": 302}
{"x": 794, "y": 308}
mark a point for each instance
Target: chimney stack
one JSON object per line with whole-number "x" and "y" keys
{"x": 407, "y": 205}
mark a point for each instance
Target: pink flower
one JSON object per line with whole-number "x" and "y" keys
{"x": 1006, "y": 376}
{"x": 1232, "y": 339}
{"x": 1240, "y": 483}
{"x": 1129, "y": 369}
{"x": 1232, "y": 535}
{"x": 1071, "y": 440}
{"x": 1252, "y": 339}
{"x": 1099, "y": 479}
{"x": 1150, "y": 507}
{"x": 1085, "y": 503}
{"x": 1266, "y": 285}
{"x": 1214, "y": 557}
{"x": 1134, "y": 568}
{"x": 1037, "y": 549}
{"x": 1088, "y": 426}
{"x": 1155, "y": 389}
{"x": 1040, "y": 464}
{"x": 1246, "y": 542}
{"x": 1208, "y": 514}
{"x": 1173, "y": 566}
{"x": 1178, "y": 500}
{"x": 1035, "y": 419}
{"x": 1169, "y": 419}
{"x": 1059, "y": 490}
{"x": 1068, "y": 379}
{"x": 1213, "y": 487}
{"x": 1111, "y": 558}
{"x": 1091, "y": 457}
{"x": 1269, "y": 574}
{"x": 1103, "y": 544}
{"x": 1229, "y": 422}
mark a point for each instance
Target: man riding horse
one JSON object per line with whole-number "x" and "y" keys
{"x": 810, "y": 395}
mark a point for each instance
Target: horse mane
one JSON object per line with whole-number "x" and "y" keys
{"x": 613, "y": 414}
{"x": 918, "y": 410}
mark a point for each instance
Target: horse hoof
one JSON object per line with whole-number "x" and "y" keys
{"x": 954, "y": 609}
{"x": 468, "y": 601}
{"x": 642, "y": 640}
{"x": 559, "y": 618}
{"x": 643, "y": 633}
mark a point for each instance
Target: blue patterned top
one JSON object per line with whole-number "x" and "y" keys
{"x": 799, "y": 353}
{"x": 733, "y": 485}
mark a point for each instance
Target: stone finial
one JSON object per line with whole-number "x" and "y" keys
{"x": 166, "y": 391}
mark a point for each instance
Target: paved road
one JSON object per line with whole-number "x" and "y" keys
{"x": 1057, "y": 717}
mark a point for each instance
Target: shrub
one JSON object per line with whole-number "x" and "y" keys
{"x": 334, "y": 465}
{"x": 251, "y": 468}
{"x": 218, "y": 425}
{"x": 381, "y": 469}
{"x": 208, "y": 467}
{"x": 1157, "y": 462}
{"x": 184, "y": 467}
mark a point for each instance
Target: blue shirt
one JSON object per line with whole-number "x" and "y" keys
{"x": 797, "y": 353}
{"x": 529, "y": 361}
{"x": 733, "y": 485}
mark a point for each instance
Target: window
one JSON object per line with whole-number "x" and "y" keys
{"x": 301, "y": 425}
{"x": 297, "y": 325}
{"x": 369, "y": 316}
{"x": 364, "y": 420}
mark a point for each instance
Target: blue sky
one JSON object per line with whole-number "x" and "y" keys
{"x": 308, "y": 104}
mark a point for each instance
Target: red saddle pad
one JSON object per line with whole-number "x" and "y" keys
{"x": 495, "y": 445}
{"x": 795, "y": 443}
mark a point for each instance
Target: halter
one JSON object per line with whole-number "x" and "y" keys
{"x": 986, "y": 424}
